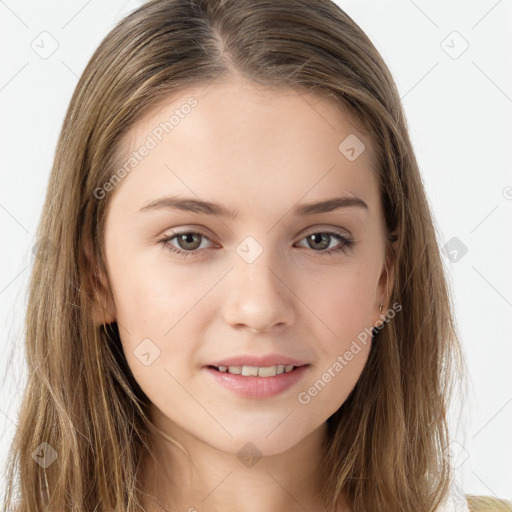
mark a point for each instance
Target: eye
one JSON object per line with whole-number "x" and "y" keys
{"x": 188, "y": 242}
{"x": 321, "y": 240}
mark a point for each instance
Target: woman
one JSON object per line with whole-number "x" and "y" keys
{"x": 239, "y": 301}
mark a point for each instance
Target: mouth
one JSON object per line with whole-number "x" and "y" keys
{"x": 256, "y": 371}
{"x": 257, "y": 382}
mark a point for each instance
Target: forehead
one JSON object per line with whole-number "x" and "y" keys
{"x": 235, "y": 139}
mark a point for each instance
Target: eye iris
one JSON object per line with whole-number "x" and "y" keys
{"x": 189, "y": 238}
{"x": 324, "y": 240}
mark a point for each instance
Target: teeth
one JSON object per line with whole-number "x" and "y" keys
{"x": 255, "y": 371}
{"x": 250, "y": 371}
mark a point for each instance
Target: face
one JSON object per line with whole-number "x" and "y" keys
{"x": 259, "y": 274}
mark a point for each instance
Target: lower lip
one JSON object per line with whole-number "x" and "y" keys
{"x": 258, "y": 387}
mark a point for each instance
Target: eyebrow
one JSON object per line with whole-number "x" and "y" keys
{"x": 210, "y": 208}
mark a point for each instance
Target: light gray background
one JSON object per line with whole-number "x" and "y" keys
{"x": 458, "y": 105}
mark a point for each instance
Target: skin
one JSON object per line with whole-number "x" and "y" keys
{"x": 258, "y": 151}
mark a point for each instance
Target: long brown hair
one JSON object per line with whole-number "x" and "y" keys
{"x": 387, "y": 444}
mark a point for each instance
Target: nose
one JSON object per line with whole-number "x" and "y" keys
{"x": 260, "y": 296}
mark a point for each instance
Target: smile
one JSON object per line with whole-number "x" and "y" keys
{"x": 257, "y": 371}
{"x": 248, "y": 382}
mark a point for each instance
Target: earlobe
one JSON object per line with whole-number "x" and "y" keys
{"x": 381, "y": 295}
{"x": 391, "y": 252}
{"x": 98, "y": 292}
{"x": 386, "y": 279}
{"x": 101, "y": 313}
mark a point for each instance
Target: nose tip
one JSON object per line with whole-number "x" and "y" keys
{"x": 258, "y": 300}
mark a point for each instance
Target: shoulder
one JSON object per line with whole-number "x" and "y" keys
{"x": 487, "y": 504}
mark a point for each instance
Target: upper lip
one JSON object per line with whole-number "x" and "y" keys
{"x": 259, "y": 361}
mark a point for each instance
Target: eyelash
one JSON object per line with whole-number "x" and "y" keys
{"x": 347, "y": 243}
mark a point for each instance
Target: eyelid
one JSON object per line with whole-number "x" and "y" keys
{"x": 189, "y": 228}
{"x": 328, "y": 229}
{"x": 172, "y": 232}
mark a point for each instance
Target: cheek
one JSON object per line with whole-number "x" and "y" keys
{"x": 343, "y": 299}
{"x": 152, "y": 294}
{"x": 343, "y": 336}
{"x": 161, "y": 311}
{"x": 153, "y": 315}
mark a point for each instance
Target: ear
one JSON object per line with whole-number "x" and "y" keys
{"x": 384, "y": 287}
{"x": 98, "y": 290}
